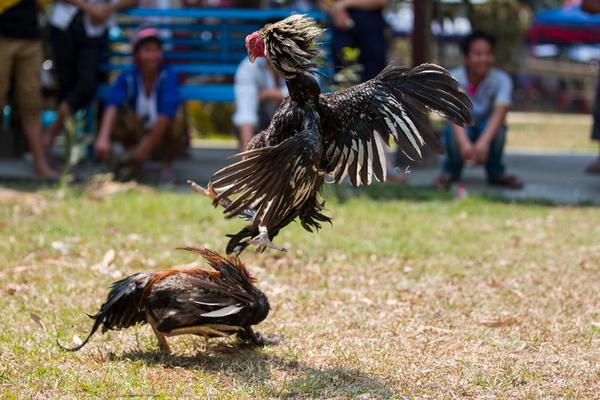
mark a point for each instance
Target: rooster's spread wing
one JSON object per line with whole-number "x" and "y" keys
{"x": 274, "y": 180}
{"x": 361, "y": 119}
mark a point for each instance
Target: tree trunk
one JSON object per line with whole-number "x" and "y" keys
{"x": 421, "y": 37}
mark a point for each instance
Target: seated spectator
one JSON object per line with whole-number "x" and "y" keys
{"x": 490, "y": 90}
{"x": 20, "y": 65}
{"x": 142, "y": 112}
{"x": 78, "y": 37}
{"x": 259, "y": 91}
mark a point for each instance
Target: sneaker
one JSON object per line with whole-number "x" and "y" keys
{"x": 508, "y": 182}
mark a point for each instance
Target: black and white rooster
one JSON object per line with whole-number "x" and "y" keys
{"x": 314, "y": 134}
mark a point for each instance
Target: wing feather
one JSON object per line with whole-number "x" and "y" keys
{"x": 395, "y": 104}
{"x": 275, "y": 180}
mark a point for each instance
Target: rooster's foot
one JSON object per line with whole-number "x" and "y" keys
{"x": 262, "y": 241}
{"x": 262, "y": 340}
{"x": 259, "y": 339}
{"x": 209, "y": 191}
{"x": 224, "y": 202}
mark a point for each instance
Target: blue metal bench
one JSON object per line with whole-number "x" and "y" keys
{"x": 210, "y": 47}
{"x": 205, "y": 43}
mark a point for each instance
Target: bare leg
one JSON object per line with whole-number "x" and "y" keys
{"x": 26, "y": 67}
{"x": 263, "y": 241}
{"x": 246, "y": 133}
{"x": 162, "y": 342}
{"x": 33, "y": 131}
{"x": 64, "y": 111}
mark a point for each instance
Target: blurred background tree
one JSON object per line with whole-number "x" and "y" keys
{"x": 508, "y": 21}
{"x": 210, "y": 120}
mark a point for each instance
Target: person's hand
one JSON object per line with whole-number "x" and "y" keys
{"x": 481, "y": 150}
{"x": 102, "y": 149}
{"x": 99, "y": 13}
{"x": 467, "y": 151}
{"x": 270, "y": 94}
{"x": 341, "y": 18}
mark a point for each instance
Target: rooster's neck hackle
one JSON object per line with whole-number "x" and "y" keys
{"x": 290, "y": 45}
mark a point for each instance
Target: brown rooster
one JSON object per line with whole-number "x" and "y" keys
{"x": 314, "y": 135}
{"x": 208, "y": 303}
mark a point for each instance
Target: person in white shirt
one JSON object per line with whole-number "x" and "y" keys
{"x": 259, "y": 91}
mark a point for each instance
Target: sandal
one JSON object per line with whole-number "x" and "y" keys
{"x": 593, "y": 168}
{"x": 167, "y": 176}
{"x": 508, "y": 181}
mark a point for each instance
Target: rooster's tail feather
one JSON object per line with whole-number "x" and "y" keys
{"x": 121, "y": 308}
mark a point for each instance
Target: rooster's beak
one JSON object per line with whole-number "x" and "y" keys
{"x": 251, "y": 57}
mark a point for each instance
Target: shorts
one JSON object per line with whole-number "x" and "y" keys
{"x": 20, "y": 65}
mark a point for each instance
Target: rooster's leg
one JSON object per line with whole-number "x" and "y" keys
{"x": 209, "y": 192}
{"x": 202, "y": 330}
{"x": 224, "y": 202}
{"x": 162, "y": 342}
{"x": 262, "y": 241}
{"x": 259, "y": 339}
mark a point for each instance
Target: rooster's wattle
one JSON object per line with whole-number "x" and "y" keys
{"x": 208, "y": 303}
{"x": 337, "y": 134}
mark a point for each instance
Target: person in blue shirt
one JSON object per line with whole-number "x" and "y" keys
{"x": 142, "y": 109}
{"x": 490, "y": 90}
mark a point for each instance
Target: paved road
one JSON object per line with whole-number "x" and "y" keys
{"x": 556, "y": 178}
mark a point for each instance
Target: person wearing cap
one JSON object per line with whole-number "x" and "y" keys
{"x": 78, "y": 37}
{"x": 142, "y": 109}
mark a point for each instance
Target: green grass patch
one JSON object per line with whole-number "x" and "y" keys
{"x": 409, "y": 294}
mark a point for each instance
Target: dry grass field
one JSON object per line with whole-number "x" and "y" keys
{"x": 553, "y": 132}
{"x": 410, "y": 294}
{"x": 527, "y": 131}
